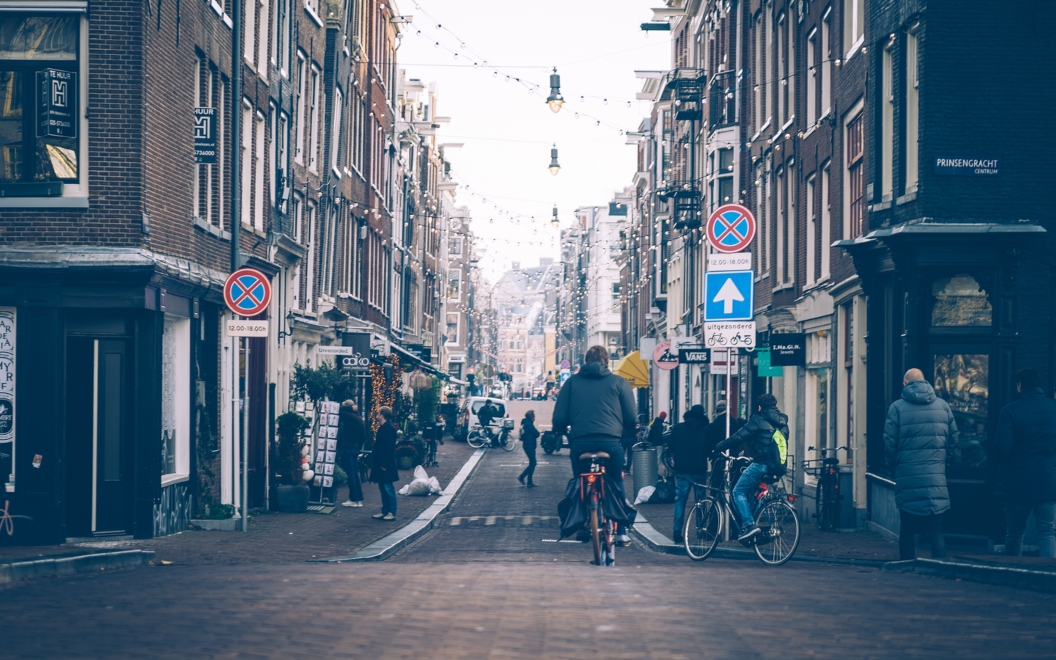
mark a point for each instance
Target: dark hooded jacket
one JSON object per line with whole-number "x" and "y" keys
{"x": 688, "y": 444}
{"x": 1026, "y": 447}
{"x": 757, "y": 438}
{"x": 597, "y": 404}
{"x": 919, "y": 436}
{"x": 716, "y": 431}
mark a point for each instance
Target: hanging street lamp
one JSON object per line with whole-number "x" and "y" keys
{"x": 555, "y": 167}
{"x": 554, "y": 221}
{"x": 555, "y": 100}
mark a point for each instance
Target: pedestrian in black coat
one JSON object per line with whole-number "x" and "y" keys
{"x": 384, "y": 470}
{"x": 716, "y": 433}
{"x": 351, "y": 433}
{"x": 1026, "y": 449}
{"x": 686, "y": 444}
{"x": 919, "y": 436}
{"x": 529, "y": 435}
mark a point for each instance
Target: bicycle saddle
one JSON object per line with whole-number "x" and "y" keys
{"x": 593, "y": 454}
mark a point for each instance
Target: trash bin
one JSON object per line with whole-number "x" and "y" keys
{"x": 643, "y": 469}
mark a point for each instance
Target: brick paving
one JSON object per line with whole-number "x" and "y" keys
{"x": 488, "y": 586}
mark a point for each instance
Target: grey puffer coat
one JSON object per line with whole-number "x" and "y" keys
{"x": 919, "y": 435}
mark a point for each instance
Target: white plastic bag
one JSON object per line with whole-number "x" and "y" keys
{"x": 644, "y": 494}
{"x": 422, "y": 484}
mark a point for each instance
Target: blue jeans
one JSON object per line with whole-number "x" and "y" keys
{"x": 746, "y": 486}
{"x": 683, "y": 482}
{"x": 1016, "y": 513}
{"x": 388, "y": 498}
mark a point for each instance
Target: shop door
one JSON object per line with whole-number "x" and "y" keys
{"x": 98, "y": 437}
{"x": 961, "y": 376}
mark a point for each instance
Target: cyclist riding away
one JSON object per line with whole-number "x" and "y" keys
{"x": 487, "y": 414}
{"x": 599, "y": 406}
{"x": 759, "y": 438}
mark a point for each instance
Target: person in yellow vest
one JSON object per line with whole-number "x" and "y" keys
{"x": 761, "y": 438}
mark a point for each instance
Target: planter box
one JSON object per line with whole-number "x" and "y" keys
{"x": 405, "y": 462}
{"x": 293, "y": 499}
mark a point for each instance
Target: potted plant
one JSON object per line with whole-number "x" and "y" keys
{"x": 410, "y": 449}
{"x": 292, "y": 491}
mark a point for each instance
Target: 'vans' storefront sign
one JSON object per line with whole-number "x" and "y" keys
{"x": 966, "y": 166}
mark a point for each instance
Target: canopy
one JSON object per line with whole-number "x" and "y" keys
{"x": 633, "y": 369}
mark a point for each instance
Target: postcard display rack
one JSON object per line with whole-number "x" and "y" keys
{"x": 324, "y": 452}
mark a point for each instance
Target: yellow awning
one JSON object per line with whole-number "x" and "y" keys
{"x": 633, "y": 369}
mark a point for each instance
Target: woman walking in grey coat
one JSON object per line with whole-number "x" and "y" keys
{"x": 919, "y": 435}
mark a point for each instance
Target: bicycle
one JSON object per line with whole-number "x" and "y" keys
{"x": 592, "y": 493}
{"x": 364, "y": 466}
{"x": 827, "y": 495}
{"x": 716, "y": 338}
{"x": 485, "y": 435}
{"x": 713, "y": 514}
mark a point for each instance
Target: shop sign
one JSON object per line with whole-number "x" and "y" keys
{"x": 663, "y": 357}
{"x": 788, "y": 350}
{"x": 693, "y": 354}
{"x": 421, "y": 351}
{"x": 57, "y": 91}
{"x": 766, "y": 369}
{"x": 7, "y": 397}
{"x": 718, "y": 361}
{"x": 967, "y": 166}
{"x": 205, "y": 146}
{"x": 357, "y": 355}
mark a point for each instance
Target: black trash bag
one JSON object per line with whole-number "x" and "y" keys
{"x": 573, "y": 512}
{"x": 664, "y": 493}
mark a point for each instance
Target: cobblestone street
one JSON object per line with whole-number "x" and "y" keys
{"x": 489, "y": 582}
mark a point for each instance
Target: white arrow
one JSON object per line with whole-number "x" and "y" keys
{"x": 727, "y": 294}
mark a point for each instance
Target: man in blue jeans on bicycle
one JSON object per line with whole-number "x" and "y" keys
{"x": 757, "y": 438}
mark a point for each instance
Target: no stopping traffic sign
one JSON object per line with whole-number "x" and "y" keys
{"x": 247, "y": 292}
{"x": 730, "y": 228}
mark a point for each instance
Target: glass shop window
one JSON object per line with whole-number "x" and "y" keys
{"x": 960, "y": 302}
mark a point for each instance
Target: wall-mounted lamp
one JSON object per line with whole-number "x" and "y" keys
{"x": 362, "y": 228}
{"x": 286, "y": 330}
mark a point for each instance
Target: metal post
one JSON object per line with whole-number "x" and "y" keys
{"x": 245, "y": 446}
{"x": 729, "y": 401}
{"x": 236, "y": 217}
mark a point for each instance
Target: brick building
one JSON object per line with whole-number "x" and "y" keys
{"x": 118, "y": 409}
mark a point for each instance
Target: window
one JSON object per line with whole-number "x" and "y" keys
{"x": 313, "y": 126}
{"x": 781, "y": 85}
{"x": 209, "y": 187}
{"x": 313, "y": 8}
{"x": 757, "y": 71}
{"x": 779, "y": 228}
{"x": 175, "y": 399}
{"x": 826, "y": 222}
{"x": 887, "y": 124}
{"x": 855, "y": 177}
{"x": 41, "y": 127}
{"x": 454, "y": 246}
{"x": 280, "y": 55}
{"x": 912, "y": 110}
{"x": 826, "y": 63}
{"x": 354, "y": 247}
{"x": 790, "y": 65}
{"x": 281, "y": 166}
{"x": 725, "y": 178}
{"x": 812, "y": 233}
{"x": 335, "y": 134}
{"x": 247, "y": 162}
{"x": 454, "y": 284}
{"x": 853, "y": 26}
{"x": 848, "y": 370}
{"x": 309, "y": 243}
{"x": 790, "y": 223}
{"x": 258, "y": 171}
{"x": 302, "y": 82}
{"x": 769, "y": 64}
{"x": 616, "y": 291}
{"x": 249, "y": 21}
{"x": 452, "y": 328}
{"x": 812, "y": 78}
{"x": 264, "y": 29}
{"x": 960, "y": 302}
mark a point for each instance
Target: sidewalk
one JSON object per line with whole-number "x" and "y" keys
{"x": 857, "y": 546}
{"x": 276, "y": 537}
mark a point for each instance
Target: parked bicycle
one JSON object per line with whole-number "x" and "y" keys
{"x": 713, "y": 515}
{"x": 433, "y": 438}
{"x": 491, "y": 437}
{"x": 592, "y": 491}
{"x": 827, "y": 495}
{"x": 364, "y": 466}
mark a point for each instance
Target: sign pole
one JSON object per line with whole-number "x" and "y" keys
{"x": 729, "y": 400}
{"x": 245, "y": 445}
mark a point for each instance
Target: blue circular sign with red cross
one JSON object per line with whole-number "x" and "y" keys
{"x": 247, "y": 292}
{"x": 730, "y": 228}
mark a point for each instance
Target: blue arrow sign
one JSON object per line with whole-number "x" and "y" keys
{"x": 728, "y": 296}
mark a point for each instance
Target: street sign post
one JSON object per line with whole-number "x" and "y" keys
{"x": 728, "y": 295}
{"x": 730, "y": 228}
{"x": 737, "y": 261}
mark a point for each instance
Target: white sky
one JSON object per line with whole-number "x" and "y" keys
{"x": 596, "y": 45}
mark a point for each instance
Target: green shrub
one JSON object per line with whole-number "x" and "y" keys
{"x": 289, "y": 427}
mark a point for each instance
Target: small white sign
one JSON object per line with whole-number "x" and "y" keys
{"x": 242, "y": 328}
{"x": 736, "y": 261}
{"x": 334, "y": 350}
{"x": 732, "y": 334}
{"x": 718, "y": 361}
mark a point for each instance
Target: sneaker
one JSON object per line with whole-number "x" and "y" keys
{"x": 358, "y": 505}
{"x": 748, "y": 533}
{"x": 678, "y": 538}
{"x": 622, "y": 540}
{"x": 389, "y": 517}
{"x": 348, "y": 503}
{"x": 531, "y": 485}
{"x": 378, "y": 516}
{"x": 521, "y": 479}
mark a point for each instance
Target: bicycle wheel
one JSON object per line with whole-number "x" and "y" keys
{"x": 703, "y": 527}
{"x": 476, "y": 439}
{"x": 609, "y": 543}
{"x": 779, "y": 532}
{"x": 510, "y": 443}
{"x": 595, "y": 533}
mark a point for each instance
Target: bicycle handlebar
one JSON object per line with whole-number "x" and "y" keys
{"x": 823, "y": 450}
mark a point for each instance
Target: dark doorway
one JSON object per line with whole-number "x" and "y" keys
{"x": 98, "y": 437}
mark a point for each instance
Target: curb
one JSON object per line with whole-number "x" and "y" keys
{"x": 1003, "y": 576}
{"x": 387, "y": 546}
{"x": 22, "y": 570}
{"x": 660, "y": 543}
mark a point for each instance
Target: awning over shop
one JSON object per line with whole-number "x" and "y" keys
{"x": 633, "y": 369}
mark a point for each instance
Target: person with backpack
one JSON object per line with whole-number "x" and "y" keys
{"x": 765, "y": 438}
{"x": 686, "y": 442}
{"x": 529, "y": 434}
